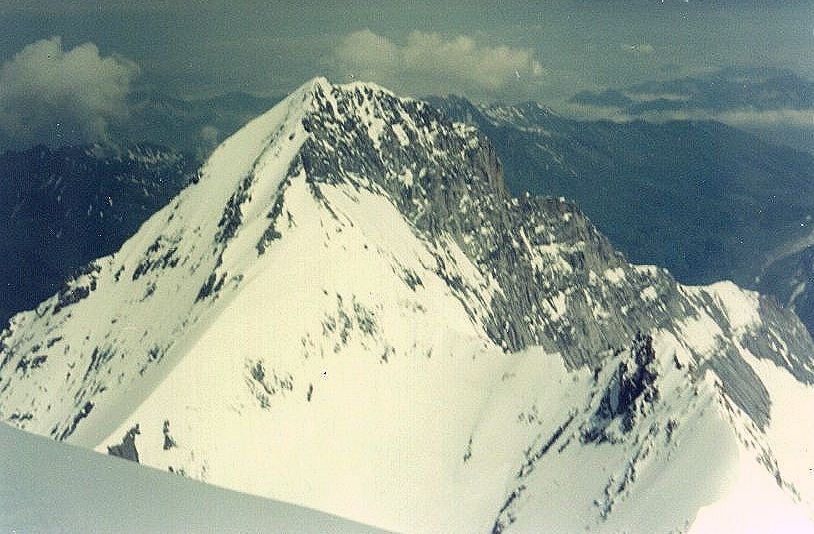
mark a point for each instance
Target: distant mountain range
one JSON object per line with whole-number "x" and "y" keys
{"x": 63, "y": 207}
{"x": 733, "y": 88}
{"x": 708, "y": 201}
{"x": 791, "y": 279}
{"x": 774, "y": 103}
{"x": 192, "y": 126}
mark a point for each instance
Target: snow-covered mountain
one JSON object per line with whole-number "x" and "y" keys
{"x": 349, "y": 312}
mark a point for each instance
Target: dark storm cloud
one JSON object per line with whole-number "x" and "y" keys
{"x": 55, "y": 96}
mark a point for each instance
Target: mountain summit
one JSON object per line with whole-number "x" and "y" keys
{"x": 348, "y": 311}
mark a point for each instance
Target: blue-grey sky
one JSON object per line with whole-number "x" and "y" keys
{"x": 196, "y": 47}
{"x": 509, "y": 50}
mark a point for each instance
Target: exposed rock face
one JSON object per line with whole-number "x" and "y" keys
{"x": 446, "y": 179}
{"x": 127, "y": 448}
{"x": 705, "y": 200}
{"x": 561, "y": 283}
{"x": 631, "y": 389}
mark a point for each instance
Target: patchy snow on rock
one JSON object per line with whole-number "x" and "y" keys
{"x": 615, "y": 275}
{"x": 740, "y": 306}
{"x": 400, "y": 135}
{"x": 649, "y": 293}
{"x": 407, "y": 177}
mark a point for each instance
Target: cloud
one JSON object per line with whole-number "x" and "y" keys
{"x": 607, "y": 98}
{"x": 431, "y": 63}
{"x": 738, "y": 96}
{"x": 364, "y": 50}
{"x": 656, "y": 97}
{"x": 797, "y": 118}
{"x": 208, "y": 138}
{"x": 643, "y": 49}
{"x": 56, "y": 96}
{"x": 744, "y": 118}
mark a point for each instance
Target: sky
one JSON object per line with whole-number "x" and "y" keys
{"x": 79, "y": 58}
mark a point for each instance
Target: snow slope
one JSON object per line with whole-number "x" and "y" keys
{"x": 53, "y": 487}
{"x": 348, "y": 312}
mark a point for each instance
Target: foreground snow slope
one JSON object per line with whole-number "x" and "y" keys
{"x": 349, "y": 312}
{"x": 54, "y": 487}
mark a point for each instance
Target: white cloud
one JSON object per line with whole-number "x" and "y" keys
{"x": 366, "y": 50}
{"x": 652, "y": 97}
{"x": 57, "y": 96}
{"x": 643, "y": 49}
{"x": 208, "y": 137}
{"x": 796, "y": 118}
{"x": 591, "y": 112}
{"x": 800, "y": 118}
{"x": 431, "y": 63}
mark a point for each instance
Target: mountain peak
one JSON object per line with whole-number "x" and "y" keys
{"x": 351, "y": 260}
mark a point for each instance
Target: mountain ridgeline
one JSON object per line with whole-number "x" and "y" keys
{"x": 707, "y": 201}
{"x": 194, "y": 127}
{"x": 349, "y": 262}
{"x": 68, "y": 205}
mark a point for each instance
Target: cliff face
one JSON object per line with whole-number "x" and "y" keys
{"x": 705, "y": 200}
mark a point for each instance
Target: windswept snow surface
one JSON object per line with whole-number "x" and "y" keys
{"x": 751, "y": 505}
{"x": 54, "y": 487}
{"x": 423, "y": 354}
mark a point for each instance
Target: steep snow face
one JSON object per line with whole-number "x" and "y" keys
{"x": 100, "y": 337}
{"x": 349, "y": 312}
